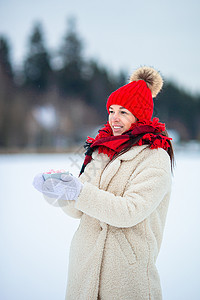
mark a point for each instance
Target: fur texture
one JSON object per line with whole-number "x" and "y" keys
{"x": 152, "y": 78}
{"x": 122, "y": 206}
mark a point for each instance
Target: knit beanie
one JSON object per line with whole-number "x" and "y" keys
{"x": 137, "y": 96}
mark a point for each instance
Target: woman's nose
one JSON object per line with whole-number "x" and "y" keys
{"x": 116, "y": 117}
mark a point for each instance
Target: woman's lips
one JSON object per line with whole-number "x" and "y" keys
{"x": 116, "y": 128}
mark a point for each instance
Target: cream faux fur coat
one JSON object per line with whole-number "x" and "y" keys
{"x": 123, "y": 207}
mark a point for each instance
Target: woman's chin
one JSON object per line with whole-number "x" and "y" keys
{"x": 117, "y": 133}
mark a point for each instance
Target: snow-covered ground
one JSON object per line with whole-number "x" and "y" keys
{"x": 35, "y": 236}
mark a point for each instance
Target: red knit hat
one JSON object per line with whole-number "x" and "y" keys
{"x": 137, "y": 96}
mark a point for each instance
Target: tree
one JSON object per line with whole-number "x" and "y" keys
{"x": 100, "y": 83}
{"x": 5, "y": 63}
{"x": 179, "y": 110}
{"x": 37, "y": 69}
{"x": 70, "y": 75}
{"x": 6, "y": 91}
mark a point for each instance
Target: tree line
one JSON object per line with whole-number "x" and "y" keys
{"x": 56, "y": 98}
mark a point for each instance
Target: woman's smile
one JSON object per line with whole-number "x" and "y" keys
{"x": 116, "y": 129}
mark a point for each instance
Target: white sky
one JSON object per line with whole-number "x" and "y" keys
{"x": 121, "y": 34}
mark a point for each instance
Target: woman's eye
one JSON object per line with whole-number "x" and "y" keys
{"x": 123, "y": 112}
{"x": 111, "y": 112}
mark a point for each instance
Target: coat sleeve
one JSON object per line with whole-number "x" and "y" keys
{"x": 68, "y": 206}
{"x": 70, "y": 210}
{"x": 146, "y": 188}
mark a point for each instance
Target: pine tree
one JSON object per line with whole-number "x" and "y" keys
{"x": 37, "y": 69}
{"x": 70, "y": 79}
{"x": 6, "y": 91}
{"x": 179, "y": 110}
{"x": 5, "y": 63}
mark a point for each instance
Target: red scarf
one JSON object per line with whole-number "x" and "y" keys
{"x": 146, "y": 132}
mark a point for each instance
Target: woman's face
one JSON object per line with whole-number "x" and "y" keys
{"x": 120, "y": 119}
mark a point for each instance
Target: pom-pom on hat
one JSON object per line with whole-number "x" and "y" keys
{"x": 137, "y": 96}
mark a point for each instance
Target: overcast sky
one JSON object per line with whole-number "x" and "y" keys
{"x": 122, "y": 35}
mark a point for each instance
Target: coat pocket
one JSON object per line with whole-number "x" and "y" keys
{"x": 125, "y": 245}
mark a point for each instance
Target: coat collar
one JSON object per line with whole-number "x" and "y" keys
{"x": 113, "y": 166}
{"x": 129, "y": 155}
{"x": 133, "y": 152}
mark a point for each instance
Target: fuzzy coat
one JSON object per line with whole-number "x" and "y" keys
{"x": 123, "y": 207}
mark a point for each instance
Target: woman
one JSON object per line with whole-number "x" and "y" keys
{"x": 121, "y": 197}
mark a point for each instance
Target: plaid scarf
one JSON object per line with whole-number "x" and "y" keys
{"x": 140, "y": 133}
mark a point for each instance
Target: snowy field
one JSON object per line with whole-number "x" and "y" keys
{"x": 35, "y": 236}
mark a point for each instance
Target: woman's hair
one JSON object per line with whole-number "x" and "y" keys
{"x": 170, "y": 150}
{"x": 133, "y": 141}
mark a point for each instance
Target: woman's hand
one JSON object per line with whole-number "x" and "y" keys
{"x": 67, "y": 187}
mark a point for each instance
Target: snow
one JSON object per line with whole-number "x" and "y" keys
{"x": 46, "y": 116}
{"x": 35, "y": 236}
